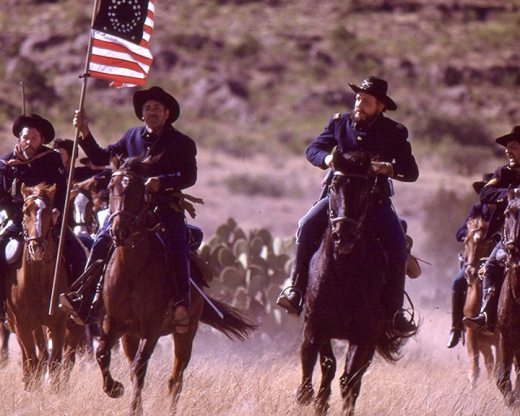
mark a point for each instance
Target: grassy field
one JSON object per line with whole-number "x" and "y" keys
{"x": 259, "y": 377}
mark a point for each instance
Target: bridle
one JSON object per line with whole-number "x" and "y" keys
{"x": 40, "y": 240}
{"x": 358, "y": 222}
{"x": 136, "y": 219}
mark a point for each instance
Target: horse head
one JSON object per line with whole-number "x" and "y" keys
{"x": 38, "y": 218}
{"x": 511, "y": 228}
{"x": 476, "y": 247}
{"x": 349, "y": 197}
{"x": 128, "y": 202}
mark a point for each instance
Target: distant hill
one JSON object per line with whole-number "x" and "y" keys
{"x": 267, "y": 74}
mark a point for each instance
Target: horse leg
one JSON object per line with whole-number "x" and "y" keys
{"x": 183, "y": 344}
{"x": 74, "y": 338}
{"x": 139, "y": 367}
{"x": 4, "y": 343}
{"x": 57, "y": 337}
{"x": 473, "y": 356}
{"x": 30, "y": 361}
{"x": 328, "y": 370}
{"x": 504, "y": 371}
{"x": 308, "y": 356}
{"x": 357, "y": 361}
{"x": 487, "y": 353}
{"x": 111, "y": 387}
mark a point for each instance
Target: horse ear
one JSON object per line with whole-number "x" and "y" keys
{"x": 55, "y": 215}
{"x": 510, "y": 193}
{"x": 150, "y": 160}
{"x": 25, "y": 191}
{"x": 52, "y": 192}
{"x": 115, "y": 162}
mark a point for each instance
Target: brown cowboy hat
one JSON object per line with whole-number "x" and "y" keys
{"x": 478, "y": 185}
{"x": 514, "y": 135}
{"x": 378, "y": 88}
{"x": 37, "y": 122}
{"x": 157, "y": 94}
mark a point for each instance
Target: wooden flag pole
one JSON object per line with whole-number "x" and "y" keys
{"x": 65, "y": 214}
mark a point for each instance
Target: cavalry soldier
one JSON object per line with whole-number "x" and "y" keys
{"x": 366, "y": 128}
{"x": 459, "y": 285}
{"x": 32, "y": 163}
{"x": 495, "y": 192}
{"x": 175, "y": 170}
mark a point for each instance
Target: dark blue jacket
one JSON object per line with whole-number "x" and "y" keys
{"x": 386, "y": 140}
{"x": 47, "y": 168}
{"x": 495, "y": 192}
{"x": 176, "y": 166}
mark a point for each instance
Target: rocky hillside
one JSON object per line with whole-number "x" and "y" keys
{"x": 266, "y": 74}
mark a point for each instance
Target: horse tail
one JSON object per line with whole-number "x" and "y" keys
{"x": 390, "y": 342}
{"x": 235, "y": 323}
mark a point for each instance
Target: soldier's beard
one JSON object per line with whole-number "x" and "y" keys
{"x": 361, "y": 121}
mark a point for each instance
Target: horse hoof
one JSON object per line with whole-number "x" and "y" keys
{"x": 304, "y": 394}
{"x": 114, "y": 390}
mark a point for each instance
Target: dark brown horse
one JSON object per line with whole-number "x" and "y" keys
{"x": 508, "y": 318}
{"x": 476, "y": 249}
{"x": 136, "y": 291}
{"x": 343, "y": 299}
{"x": 29, "y": 285}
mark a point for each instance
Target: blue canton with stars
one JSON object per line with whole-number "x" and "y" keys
{"x": 122, "y": 18}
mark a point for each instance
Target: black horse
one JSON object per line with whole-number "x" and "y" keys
{"x": 346, "y": 283}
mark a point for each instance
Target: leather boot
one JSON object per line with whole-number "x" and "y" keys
{"x": 457, "y": 305}
{"x": 485, "y": 321}
{"x": 178, "y": 310}
{"x": 291, "y": 298}
{"x": 79, "y": 302}
{"x": 394, "y": 298}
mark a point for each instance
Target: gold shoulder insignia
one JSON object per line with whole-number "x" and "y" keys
{"x": 336, "y": 116}
{"x": 492, "y": 182}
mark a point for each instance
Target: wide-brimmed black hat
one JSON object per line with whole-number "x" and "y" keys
{"x": 478, "y": 185}
{"x": 378, "y": 88}
{"x": 35, "y": 121}
{"x": 514, "y": 135}
{"x": 66, "y": 144}
{"x": 157, "y": 94}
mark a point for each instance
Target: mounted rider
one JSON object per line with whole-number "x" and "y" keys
{"x": 459, "y": 284}
{"x": 175, "y": 170}
{"x": 366, "y": 128}
{"x": 495, "y": 192}
{"x": 31, "y": 163}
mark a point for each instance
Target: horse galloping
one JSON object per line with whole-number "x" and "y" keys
{"x": 508, "y": 316}
{"x": 136, "y": 291}
{"x": 343, "y": 299}
{"x": 476, "y": 249}
{"x": 28, "y": 288}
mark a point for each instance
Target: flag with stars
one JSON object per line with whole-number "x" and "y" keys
{"x": 119, "y": 44}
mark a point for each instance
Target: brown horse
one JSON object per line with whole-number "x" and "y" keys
{"x": 476, "y": 249}
{"x": 29, "y": 285}
{"x": 508, "y": 317}
{"x": 136, "y": 291}
{"x": 343, "y": 299}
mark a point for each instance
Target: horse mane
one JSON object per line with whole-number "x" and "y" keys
{"x": 134, "y": 164}
{"x": 43, "y": 190}
{"x": 356, "y": 162}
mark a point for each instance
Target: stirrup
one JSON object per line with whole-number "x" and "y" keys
{"x": 284, "y": 301}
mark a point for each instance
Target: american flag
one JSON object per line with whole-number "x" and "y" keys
{"x": 120, "y": 36}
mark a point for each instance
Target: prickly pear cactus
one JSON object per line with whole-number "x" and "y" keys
{"x": 251, "y": 270}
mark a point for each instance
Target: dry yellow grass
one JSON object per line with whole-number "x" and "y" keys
{"x": 258, "y": 377}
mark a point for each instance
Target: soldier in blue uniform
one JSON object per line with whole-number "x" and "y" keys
{"x": 175, "y": 170}
{"x": 32, "y": 163}
{"x": 366, "y": 128}
{"x": 459, "y": 285}
{"x": 495, "y": 192}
